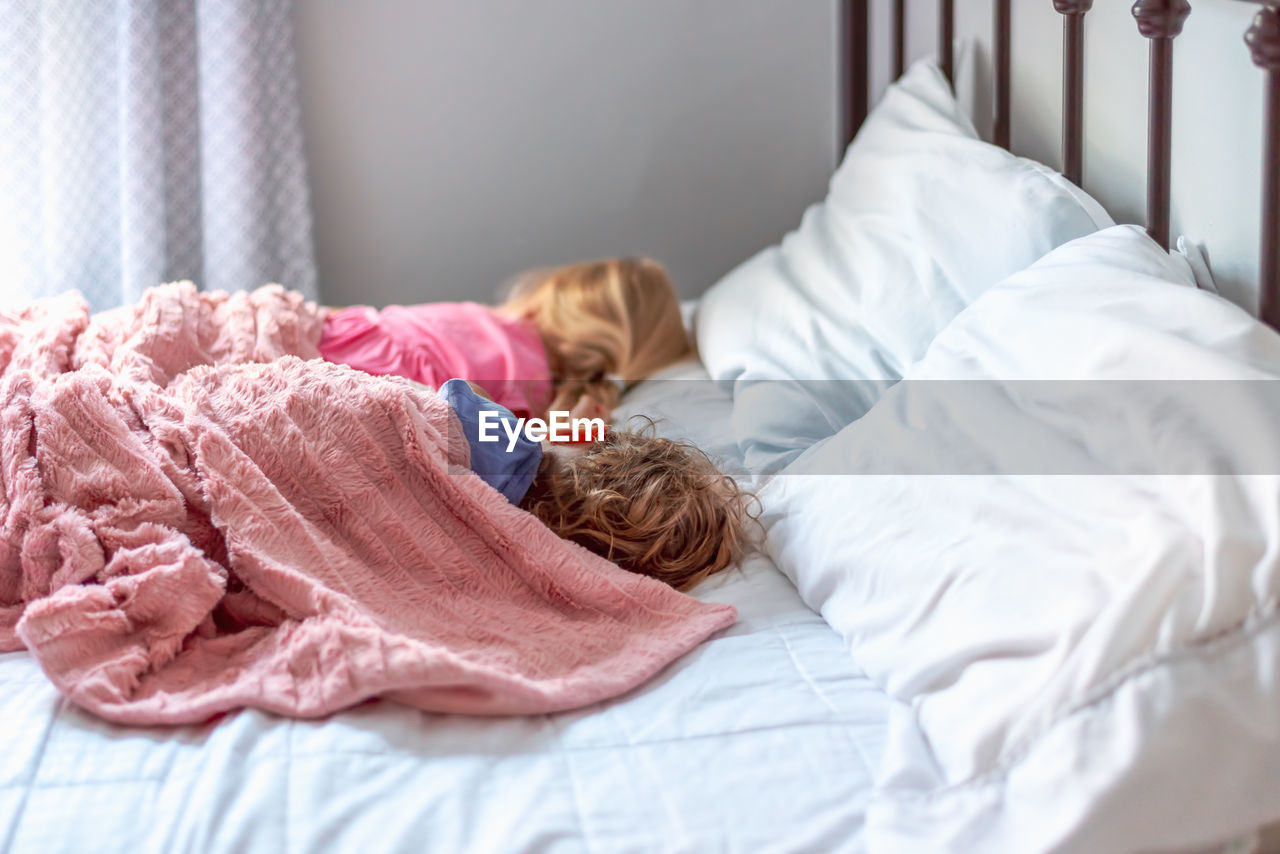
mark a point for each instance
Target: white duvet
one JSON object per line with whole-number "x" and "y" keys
{"x": 1068, "y": 578}
{"x": 764, "y": 739}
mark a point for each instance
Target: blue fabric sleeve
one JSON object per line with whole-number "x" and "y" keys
{"x": 511, "y": 472}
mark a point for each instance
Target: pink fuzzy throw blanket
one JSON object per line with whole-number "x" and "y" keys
{"x": 193, "y": 519}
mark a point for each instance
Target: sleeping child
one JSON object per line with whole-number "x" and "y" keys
{"x": 651, "y": 505}
{"x": 564, "y": 340}
{"x": 567, "y": 340}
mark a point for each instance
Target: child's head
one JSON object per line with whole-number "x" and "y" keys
{"x": 619, "y": 317}
{"x": 650, "y": 505}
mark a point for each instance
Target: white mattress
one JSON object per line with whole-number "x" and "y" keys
{"x": 764, "y": 739}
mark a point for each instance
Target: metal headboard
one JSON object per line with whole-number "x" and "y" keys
{"x": 1161, "y": 21}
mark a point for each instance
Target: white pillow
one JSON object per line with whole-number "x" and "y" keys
{"x": 921, "y": 218}
{"x": 1019, "y": 544}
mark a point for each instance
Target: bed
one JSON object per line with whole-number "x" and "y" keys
{"x": 817, "y": 723}
{"x": 765, "y": 709}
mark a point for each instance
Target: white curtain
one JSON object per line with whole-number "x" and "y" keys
{"x": 143, "y": 141}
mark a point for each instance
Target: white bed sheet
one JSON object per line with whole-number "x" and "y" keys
{"x": 764, "y": 739}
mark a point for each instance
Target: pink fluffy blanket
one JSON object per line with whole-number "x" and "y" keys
{"x": 194, "y": 519}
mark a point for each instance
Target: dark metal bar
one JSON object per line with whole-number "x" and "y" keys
{"x": 1004, "y": 72}
{"x": 855, "y": 57}
{"x": 899, "y": 38}
{"x": 1073, "y": 98}
{"x": 947, "y": 38}
{"x": 1263, "y": 39}
{"x": 1160, "y": 141}
{"x": 1073, "y": 12}
{"x": 1161, "y": 21}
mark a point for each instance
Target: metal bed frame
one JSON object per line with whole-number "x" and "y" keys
{"x": 1161, "y": 22}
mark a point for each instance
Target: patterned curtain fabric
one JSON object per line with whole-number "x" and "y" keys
{"x": 143, "y": 141}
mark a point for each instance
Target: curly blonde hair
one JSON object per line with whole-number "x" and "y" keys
{"x": 615, "y": 317}
{"x": 652, "y": 506}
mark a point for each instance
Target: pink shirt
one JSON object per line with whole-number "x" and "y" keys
{"x": 436, "y": 342}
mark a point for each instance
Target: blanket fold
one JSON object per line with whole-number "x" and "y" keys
{"x": 196, "y": 515}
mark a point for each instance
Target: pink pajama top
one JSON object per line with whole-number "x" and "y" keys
{"x": 434, "y": 342}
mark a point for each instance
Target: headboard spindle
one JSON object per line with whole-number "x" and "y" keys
{"x": 1263, "y": 39}
{"x": 899, "y": 38}
{"x": 855, "y": 55}
{"x": 1073, "y": 12}
{"x": 1004, "y": 71}
{"x": 947, "y": 38}
{"x": 1160, "y": 21}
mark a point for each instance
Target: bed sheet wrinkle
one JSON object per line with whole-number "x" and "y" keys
{"x": 24, "y": 796}
{"x": 575, "y": 790}
{"x": 800, "y": 668}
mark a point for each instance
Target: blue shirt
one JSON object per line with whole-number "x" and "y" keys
{"x": 511, "y": 472}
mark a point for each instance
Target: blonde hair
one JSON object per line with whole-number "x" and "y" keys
{"x": 653, "y": 506}
{"x": 599, "y": 320}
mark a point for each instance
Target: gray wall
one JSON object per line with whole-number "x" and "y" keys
{"x": 453, "y": 143}
{"x": 1217, "y": 152}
